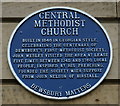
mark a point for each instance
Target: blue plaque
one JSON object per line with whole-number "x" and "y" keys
{"x": 59, "y": 53}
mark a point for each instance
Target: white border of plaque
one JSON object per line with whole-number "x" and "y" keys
{"x": 60, "y": 98}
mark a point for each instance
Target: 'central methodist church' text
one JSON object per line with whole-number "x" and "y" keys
{"x": 59, "y": 23}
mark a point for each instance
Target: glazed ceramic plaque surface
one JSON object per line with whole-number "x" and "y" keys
{"x": 59, "y": 53}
